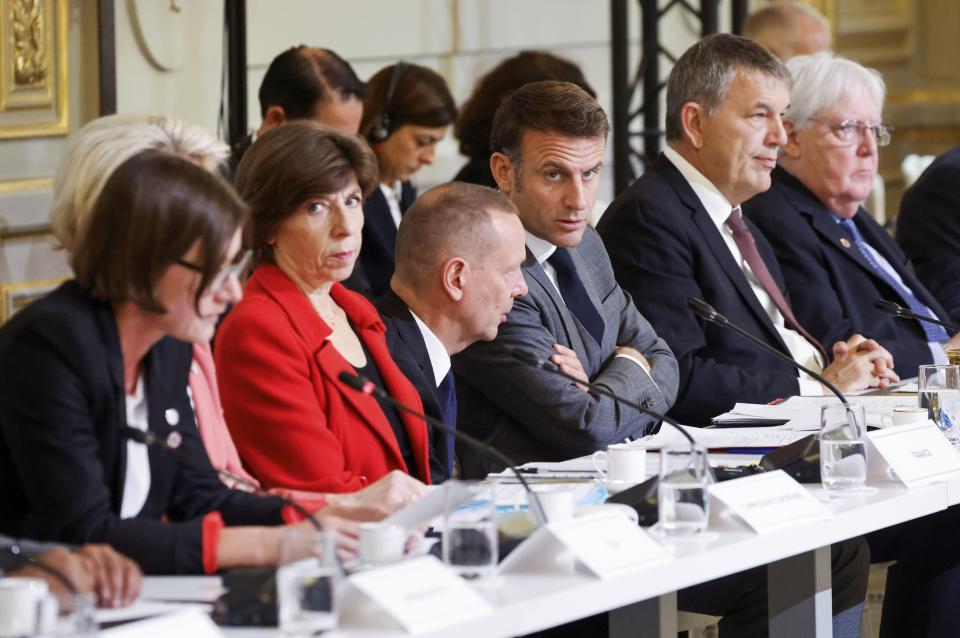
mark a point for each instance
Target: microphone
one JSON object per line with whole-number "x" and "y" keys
{"x": 532, "y": 360}
{"x": 707, "y": 312}
{"x": 800, "y": 459}
{"x": 171, "y": 445}
{"x": 899, "y": 311}
{"x": 24, "y": 558}
{"x": 365, "y": 386}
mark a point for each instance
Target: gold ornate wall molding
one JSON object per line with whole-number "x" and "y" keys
{"x": 33, "y": 68}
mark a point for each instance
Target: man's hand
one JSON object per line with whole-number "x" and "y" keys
{"x": 566, "y": 359}
{"x": 860, "y": 363}
{"x": 99, "y": 569}
{"x": 953, "y": 343}
{"x": 375, "y": 502}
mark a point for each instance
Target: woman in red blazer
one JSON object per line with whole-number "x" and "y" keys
{"x": 280, "y": 350}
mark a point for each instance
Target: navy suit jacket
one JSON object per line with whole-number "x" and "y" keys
{"x": 928, "y": 230}
{"x": 832, "y": 286}
{"x": 666, "y": 249}
{"x": 62, "y": 457}
{"x": 373, "y": 271}
{"x": 409, "y": 352}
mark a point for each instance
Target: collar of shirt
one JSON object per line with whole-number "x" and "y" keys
{"x": 439, "y": 359}
{"x": 392, "y": 193}
{"x": 541, "y": 248}
{"x": 718, "y": 207}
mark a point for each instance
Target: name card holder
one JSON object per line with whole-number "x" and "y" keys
{"x": 914, "y": 454}
{"x": 604, "y": 544}
{"x": 421, "y": 594}
{"x": 769, "y": 501}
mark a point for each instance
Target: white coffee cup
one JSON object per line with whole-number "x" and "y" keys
{"x": 904, "y": 415}
{"x": 557, "y": 501}
{"x": 381, "y": 544}
{"x": 624, "y": 463}
{"x": 26, "y": 607}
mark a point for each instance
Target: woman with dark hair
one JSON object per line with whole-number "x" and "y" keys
{"x": 107, "y": 354}
{"x": 405, "y": 114}
{"x": 281, "y": 350}
{"x": 476, "y": 114}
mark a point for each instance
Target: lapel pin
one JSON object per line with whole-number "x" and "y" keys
{"x": 172, "y": 417}
{"x": 845, "y": 242}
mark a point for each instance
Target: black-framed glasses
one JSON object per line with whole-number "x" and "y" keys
{"x": 850, "y": 132}
{"x": 236, "y": 269}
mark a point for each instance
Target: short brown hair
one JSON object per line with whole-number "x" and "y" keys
{"x": 420, "y": 97}
{"x": 704, "y": 72}
{"x": 152, "y": 209}
{"x": 292, "y": 163}
{"x": 450, "y": 220}
{"x": 476, "y": 114}
{"x": 549, "y": 106}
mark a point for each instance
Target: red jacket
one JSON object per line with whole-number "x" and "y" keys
{"x": 294, "y": 423}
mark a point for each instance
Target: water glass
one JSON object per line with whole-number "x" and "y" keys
{"x": 843, "y": 452}
{"x": 683, "y": 500}
{"x": 939, "y": 393}
{"x": 470, "y": 528}
{"x": 307, "y": 575}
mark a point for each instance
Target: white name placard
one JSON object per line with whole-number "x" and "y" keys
{"x": 421, "y": 594}
{"x": 769, "y": 501}
{"x": 917, "y": 454}
{"x": 604, "y": 543}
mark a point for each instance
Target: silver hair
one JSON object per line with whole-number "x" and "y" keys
{"x": 97, "y": 149}
{"x": 823, "y": 79}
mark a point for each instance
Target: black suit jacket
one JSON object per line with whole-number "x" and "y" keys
{"x": 928, "y": 230}
{"x": 63, "y": 460}
{"x": 666, "y": 249}
{"x": 406, "y": 346}
{"x": 832, "y": 287}
{"x": 371, "y": 276}
{"x": 477, "y": 171}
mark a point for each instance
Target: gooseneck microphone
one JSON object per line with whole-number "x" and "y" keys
{"x": 24, "y": 558}
{"x": 534, "y": 361}
{"x": 365, "y": 386}
{"x": 171, "y": 445}
{"x": 707, "y": 312}
{"x": 899, "y": 311}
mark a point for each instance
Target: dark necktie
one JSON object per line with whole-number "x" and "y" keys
{"x": 748, "y": 248}
{"x": 447, "y": 395}
{"x": 574, "y": 294}
{"x": 935, "y": 333}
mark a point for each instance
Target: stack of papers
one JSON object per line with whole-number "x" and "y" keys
{"x": 803, "y": 413}
{"x": 723, "y": 439}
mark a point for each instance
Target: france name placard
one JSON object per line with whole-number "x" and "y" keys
{"x": 917, "y": 454}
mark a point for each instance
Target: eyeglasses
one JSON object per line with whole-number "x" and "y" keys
{"x": 235, "y": 269}
{"x": 849, "y": 132}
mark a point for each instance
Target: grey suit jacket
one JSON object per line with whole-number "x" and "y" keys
{"x": 531, "y": 414}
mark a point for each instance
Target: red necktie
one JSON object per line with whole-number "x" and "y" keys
{"x": 748, "y": 248}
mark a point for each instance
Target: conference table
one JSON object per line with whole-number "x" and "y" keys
{"x": 642, "y": 602}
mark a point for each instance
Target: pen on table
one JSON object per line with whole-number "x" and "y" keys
{"x": 541, "y": 470}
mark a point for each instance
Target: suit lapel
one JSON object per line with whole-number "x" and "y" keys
{"x": 713, "y": 239}
{"x": 546, "y": 290}
{"x": 407, "y": 330}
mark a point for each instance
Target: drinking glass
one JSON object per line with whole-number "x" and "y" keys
{"x": 307, "y": 574}
{"x": 939, "y": 393}
{"x": 843, "y": 453}
{"x": 470, "y": 528}
{"x": 683, "y": 500}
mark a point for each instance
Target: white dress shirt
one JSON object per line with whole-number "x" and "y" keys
{"x": 392, "y": 195}
{"x": 136, "y": 482}
{"x": 439, "y": 359}
{"x": 719, "y": 209}
{"x": 542, "y": 250}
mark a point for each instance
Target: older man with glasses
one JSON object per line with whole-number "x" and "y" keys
{"x": 836, "y": 260}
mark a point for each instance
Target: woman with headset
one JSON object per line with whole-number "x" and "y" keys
{"x": 407, "y": 111}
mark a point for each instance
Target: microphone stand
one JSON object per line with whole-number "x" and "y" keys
{"x": 366, "y": 386}
{"x": 900, "y": 312}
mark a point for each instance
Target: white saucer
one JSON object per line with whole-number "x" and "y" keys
{"x": 614, "y": 487}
